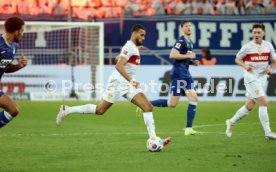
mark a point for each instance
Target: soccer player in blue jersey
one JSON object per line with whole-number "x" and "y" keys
{"x": 14, "y": 28}
{"x": 181, "y": 80}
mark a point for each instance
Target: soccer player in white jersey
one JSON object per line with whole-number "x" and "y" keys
{"x": 121, "y": 84}
{"x": 254, "y": 58}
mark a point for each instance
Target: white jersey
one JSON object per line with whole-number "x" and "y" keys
{"x": 118, "y": 86}
{"x": 258, "y": 56}
{"x": 131, "y": 52}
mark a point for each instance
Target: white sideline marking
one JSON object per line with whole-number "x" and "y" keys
{"x": 213, "y": 125}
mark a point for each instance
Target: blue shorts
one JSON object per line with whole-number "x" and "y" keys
{"x": 1, "y": 93}
{"x": 178, "y": 86}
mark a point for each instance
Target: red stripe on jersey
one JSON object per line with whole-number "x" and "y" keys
{"x": 257, "y": 57}
{"x": 135, "y": 59}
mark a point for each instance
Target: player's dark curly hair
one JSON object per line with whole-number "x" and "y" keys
{"x": 13, "y": 24}
{"x": 259, "y": 25}
{"x": 137, "y": 27}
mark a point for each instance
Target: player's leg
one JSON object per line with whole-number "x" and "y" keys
{"x": 186, "y": 87}
{"x": 160, "y": 103}
{"x": 252, "y": 92}
{"x": 142, "y": 102}
{"x": 82, "y": 109}
{"x": 10, "y": 109}
{"x": 174, "y": 96}
{"x": 191, "y": 111}
{"x": 241, "y": 113}
{"x": 264, "y": 118}
{"x": 111, "y": 94}
{"x": 171, "y": 102}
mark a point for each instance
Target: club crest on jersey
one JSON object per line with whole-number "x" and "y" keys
{"x": 177, "y": 45}
{"x": 125, "y": 52}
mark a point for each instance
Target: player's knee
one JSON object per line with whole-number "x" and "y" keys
{"x": 14, "y": 111}
{"x": 249, "y": 106}
{"x": 100, "y": 111}
{"x": 194, "y": 98}
{"x": 173, "y": 105}
{"x": 148, "y": 108}
{"x": 263, "y": 103}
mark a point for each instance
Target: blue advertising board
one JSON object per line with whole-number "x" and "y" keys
{"x": 223, "y": 35}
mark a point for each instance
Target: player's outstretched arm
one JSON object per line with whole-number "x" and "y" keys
{"x": 15, "y": 67}
{"x": 240, "y": 62}
{"x": 176, "y": 55}
{"x": 270, "y": 68}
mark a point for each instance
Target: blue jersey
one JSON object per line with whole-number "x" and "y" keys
{"x": 180, "y": 68}
{"x": 7, "y": 53}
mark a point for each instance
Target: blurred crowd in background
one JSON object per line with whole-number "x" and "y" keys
{"x": 91, "y": 9}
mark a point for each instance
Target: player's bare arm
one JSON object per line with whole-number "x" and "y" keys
{"x": 120, "y": 66}
{"x": 270, "y": 68}
{"x": 240, "y": 62}
{"x": 15, "y": 67}
{"x": 176, "y": 55}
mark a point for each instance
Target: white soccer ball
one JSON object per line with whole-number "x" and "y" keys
{"x": 155, "y": 144}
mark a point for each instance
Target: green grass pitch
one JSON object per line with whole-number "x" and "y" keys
{"x": 116, "y": 141}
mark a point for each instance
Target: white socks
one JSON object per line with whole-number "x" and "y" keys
{"x": 242, "y": 112}
{"x": 148, "y": 119}
{"x": 263, "y": 115}
{"x": 83, "y": 109}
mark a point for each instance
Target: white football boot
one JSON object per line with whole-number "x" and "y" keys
{"x": 270, "y": 136}
{"x": 228, "y": 131}
{"x": 63, "y": 112}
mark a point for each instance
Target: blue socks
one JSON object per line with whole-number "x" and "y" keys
{"x": 160, "y": 103}
{"x": 191, "y": 114}
{"x": 5, "y": 117}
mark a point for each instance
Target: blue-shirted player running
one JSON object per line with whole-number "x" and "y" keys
{"x": 14, "y": 28}
{"x": 181, "y": 79}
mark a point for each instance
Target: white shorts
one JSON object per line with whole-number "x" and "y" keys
{"x": 117, "y": 88}
{"x": 255, "y": 89}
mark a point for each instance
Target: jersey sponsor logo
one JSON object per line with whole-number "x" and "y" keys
{"x": 125, "y": 52}
{"x": 4, "y": 63}
{"x": 177, "y": 45}
{"x": 135, "y": 59}
{"x": 257, "y": 57}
